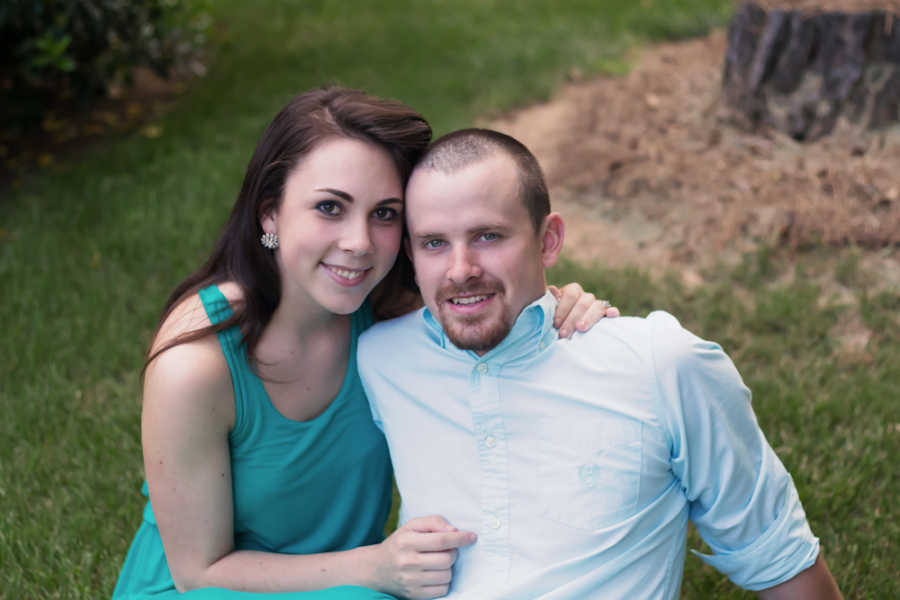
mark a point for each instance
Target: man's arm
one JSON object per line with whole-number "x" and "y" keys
{"x": 815, "y": 583}
{"x": 742, "y": 499}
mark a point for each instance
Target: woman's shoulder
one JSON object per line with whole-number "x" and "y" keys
{"x": 189, "y": 314}
{"x": 196, "y": 369}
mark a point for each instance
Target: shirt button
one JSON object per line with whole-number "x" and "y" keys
{"x": 586, "y": 474}
{"x": 490, "y": 441}
{"x": 543, "y": 345}
{"x": 494, "y": 523}
{"x": 482, "y": 368}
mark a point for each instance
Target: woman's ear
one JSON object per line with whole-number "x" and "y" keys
{"x": 268, "y": 216}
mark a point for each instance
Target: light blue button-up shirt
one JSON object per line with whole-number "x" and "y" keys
{"x": 580, "y": 462}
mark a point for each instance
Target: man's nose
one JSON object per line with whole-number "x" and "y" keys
{"x": 463, "y": 266}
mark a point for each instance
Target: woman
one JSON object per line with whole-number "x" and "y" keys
{"x": 265, "y": 472}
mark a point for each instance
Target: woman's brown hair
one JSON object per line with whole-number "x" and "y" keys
{"x": 238, "y": 255}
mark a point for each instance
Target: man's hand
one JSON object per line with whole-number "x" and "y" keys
{"x": 578, "y": 310}
{"x": 415, "y": 561}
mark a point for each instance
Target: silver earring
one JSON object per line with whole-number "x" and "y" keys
{"x": 269, "y": 240}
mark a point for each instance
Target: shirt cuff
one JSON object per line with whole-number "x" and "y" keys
{"x": 785, "y": 549}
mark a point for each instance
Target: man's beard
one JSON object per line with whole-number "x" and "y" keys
{"x": 478, "y": 333}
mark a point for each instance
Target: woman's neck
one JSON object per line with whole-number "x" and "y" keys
{"x": 296, "y": 326}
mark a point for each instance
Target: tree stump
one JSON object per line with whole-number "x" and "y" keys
{"x": 800, "y": 66}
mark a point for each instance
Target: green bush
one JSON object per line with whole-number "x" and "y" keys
{"x": 71, "y": 51}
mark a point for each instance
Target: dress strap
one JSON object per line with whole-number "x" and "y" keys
{"x": 218, "y": 310}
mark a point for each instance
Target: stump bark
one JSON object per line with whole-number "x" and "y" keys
{"x": 800, "y": 69}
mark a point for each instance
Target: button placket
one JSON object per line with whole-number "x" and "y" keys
{"x": 490, "y": 438}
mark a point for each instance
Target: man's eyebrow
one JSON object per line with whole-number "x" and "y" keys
{"x": 345, "y": 196}
{"x": 489, "y": 227}
{"x": 474, "y": 231}
{"x": 425, "y": 236}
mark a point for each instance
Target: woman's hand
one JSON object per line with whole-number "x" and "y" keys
{"x": 416, "y": 560}
{"x": 578, "y": 310}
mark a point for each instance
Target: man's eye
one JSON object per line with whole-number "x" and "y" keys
{"x": 385, "y": 213}
{"x": 433, "y": 244}
{"x": 329, "y": 207}
{"x": 489, "y": 237}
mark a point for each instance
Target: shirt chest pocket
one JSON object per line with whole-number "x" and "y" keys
{"x": 589, "y": 473}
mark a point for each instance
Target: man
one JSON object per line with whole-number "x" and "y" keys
{"x": 578, "y": 462}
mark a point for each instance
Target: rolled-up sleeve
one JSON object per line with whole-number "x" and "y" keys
{"x": 742, "y": 499}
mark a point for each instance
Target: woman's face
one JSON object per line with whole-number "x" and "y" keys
{"x": 339, "y": 224}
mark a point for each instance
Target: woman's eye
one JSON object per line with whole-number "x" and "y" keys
{"x": 489, "y": 237}
{"x": 385, "y": 213}
{"x": 329, "y": 207}
{"x": 433, "y": 244}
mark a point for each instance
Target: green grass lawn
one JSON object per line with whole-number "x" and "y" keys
{"x": 90, "y": 249}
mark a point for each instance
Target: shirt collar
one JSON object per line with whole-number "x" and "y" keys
{"x": 531, "y": 333}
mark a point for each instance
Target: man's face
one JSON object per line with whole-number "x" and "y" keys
{"x": 478, "y": 259}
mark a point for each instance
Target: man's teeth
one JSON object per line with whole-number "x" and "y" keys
{"x": 347, "y": 274}
{"x": 468, "y": 300}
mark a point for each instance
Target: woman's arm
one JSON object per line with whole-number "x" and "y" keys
{"x": 188, "y": 412}
{"x": 578, "y": 310}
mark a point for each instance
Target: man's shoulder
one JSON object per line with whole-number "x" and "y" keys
{"x": 658, "y": 327}
{"x": 393, "y": 333}
{"x": 657, "y": 340}
{"x": 669, "y": 345}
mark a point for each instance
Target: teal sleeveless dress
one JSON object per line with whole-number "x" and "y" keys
{"x": 300, "y": 487}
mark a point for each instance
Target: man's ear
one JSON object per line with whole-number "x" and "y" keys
{"x": 552, "y": 234}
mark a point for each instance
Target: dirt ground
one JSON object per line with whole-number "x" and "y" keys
{"x": 651, "y": 170}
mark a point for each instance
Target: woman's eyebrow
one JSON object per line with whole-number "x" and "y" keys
{"x": 338, "y": 193}
{"x": 345, "y": 196}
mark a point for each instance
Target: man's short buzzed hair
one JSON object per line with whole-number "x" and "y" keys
{"x": 465, "y": 147}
